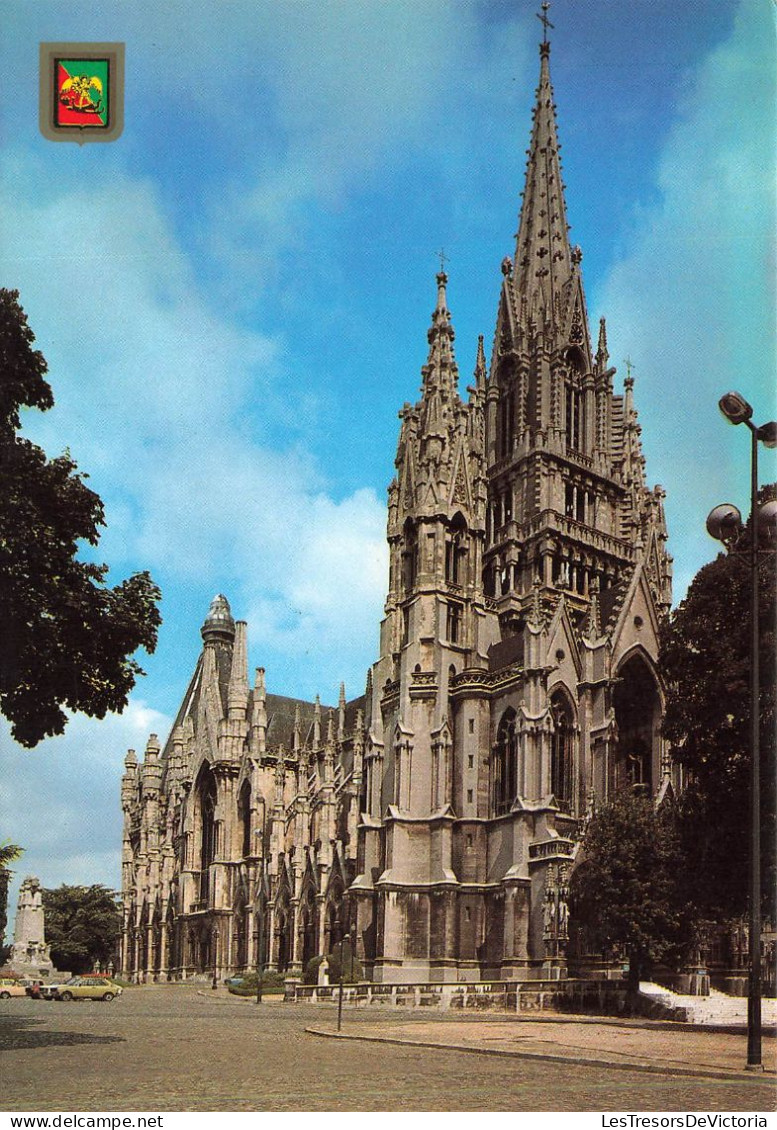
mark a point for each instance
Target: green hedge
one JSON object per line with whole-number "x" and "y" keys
{"x": 351, "y": 972}
{"x": 272, "y": 982}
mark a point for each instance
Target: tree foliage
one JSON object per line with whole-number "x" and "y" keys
{"x": 705, "y": 660}
{"x": 8, "y": 854}
{"x": 629, "y": 890}
{"x": 83, "y": 925}
{"x": 67, "y": 638}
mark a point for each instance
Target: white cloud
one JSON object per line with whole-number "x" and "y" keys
{"x": 334, "y": 562}
{"x": 345, "y": 87}
{"x": 693, "y": 301}
{"x": 60, "y": 801}
{"x": 160, "y": 398}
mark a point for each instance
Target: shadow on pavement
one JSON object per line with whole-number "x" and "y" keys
{"x": 19, "y": 1033}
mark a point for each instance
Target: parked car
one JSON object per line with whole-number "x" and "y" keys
{"x": 10, "y": 987}
{"x": 89, "y": 987}
{"x": 32, "y": 986}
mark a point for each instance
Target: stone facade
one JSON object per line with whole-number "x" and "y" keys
{"x": 435, "y": 818}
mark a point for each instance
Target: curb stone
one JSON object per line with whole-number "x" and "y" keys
{"x": 581, "y": 1061}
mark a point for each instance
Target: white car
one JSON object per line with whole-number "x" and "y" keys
{"x": 10, "y": 987}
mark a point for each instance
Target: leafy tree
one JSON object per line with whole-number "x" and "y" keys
{"x": 8, "y": 853}
{"x": 628, "y": 891}
{"x": 83, "y": 925}
{"x": 67, "y": 638}
{"x": 705, "y": 659}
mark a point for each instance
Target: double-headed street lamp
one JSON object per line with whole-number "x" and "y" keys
{"x": 725, "y": 524}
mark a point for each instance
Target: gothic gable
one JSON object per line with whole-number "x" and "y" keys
{"x": 506, "y": 332}
{"x": 638, "y": 623}
{"x": 460, "y": 493}
{"x": 562, "y": 648}
{"x": 573, "y": 323}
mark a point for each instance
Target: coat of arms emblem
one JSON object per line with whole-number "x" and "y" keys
{"x": 81, "y": 93}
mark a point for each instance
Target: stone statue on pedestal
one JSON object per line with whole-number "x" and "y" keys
{"x": 29, "y": 942}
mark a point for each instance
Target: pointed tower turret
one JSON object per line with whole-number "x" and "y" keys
{"x": 237, "y": 697}
{"x": 296, "y": 741}
{"x": 543, "y": 260}
{"x": 233, "y": 728}
{"x": 481, "y": 371}
{"x": 602, "y": 355}
{"x": 329, "y": 750}
{"x": 341, "y": 714}
{"x": 440, "y": 373}
{"x": 259, "y": 717}
{"x": 129, "y": 781}
{"x": 317, "y": 723}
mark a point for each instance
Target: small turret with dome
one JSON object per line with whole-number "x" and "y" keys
{"x": 219, "y": 624}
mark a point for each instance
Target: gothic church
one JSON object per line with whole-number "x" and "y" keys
{"x": 435, "y": 817}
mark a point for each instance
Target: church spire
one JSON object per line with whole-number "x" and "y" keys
{"x": 440, "y": 373}
{"x": 543, "y": 256}
{"x": 481, "y": 371}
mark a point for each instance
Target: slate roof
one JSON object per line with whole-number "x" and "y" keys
{"x": 505, "y": 652}
{"x": 611, "y": 602}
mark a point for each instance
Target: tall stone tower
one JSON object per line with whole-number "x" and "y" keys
{"x": 516, "y": 680}
{"x": 435, "y": 619}
{"x": 568, "y": 506}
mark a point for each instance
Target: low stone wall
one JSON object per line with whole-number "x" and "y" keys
{"x": 735, "y": 984}
{"x": 691, "y": 983}
{"x": 604, "y": 997}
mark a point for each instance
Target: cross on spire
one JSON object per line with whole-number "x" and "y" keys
{"x": 627, "y": 361}
{"x": 443, "y": 260}
{"x": 544, "y": 20}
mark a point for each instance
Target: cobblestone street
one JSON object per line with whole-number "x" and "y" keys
{"x": 176, "y": 1048}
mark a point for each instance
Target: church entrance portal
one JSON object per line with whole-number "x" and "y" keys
{"x": 637, "y": 713}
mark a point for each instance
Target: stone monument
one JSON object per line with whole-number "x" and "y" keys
{"x": 29, "y": 952}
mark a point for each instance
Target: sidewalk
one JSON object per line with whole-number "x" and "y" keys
{"x": 660, "y": 1047}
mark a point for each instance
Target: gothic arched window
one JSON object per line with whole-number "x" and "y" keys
{"x": 206, "y": 807}
{"x": 575, "y": 422}
{"x": 506, "y": 422}
{"x": 504, "y": 765}
{"x": 638, "y": 714}
{"x": 409, "y": 557}
{"x": 456, "y": 550}
{"x": 562, "y": 750}
{"x": 244, "y": 818}
{"x": 283, "y": 934}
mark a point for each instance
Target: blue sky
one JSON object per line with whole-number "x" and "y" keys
{"x": 233, "y": 299}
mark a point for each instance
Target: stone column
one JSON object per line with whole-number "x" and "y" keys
{"x": 163, "y": 951}
{"x": 149, "y": 971}
{"x": 271, "y": 955}
{"x": 295, "y": 964}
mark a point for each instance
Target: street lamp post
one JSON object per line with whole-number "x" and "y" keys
{"x": 340, "y": 996}
{"x": 259, "y": 952}
{"x": 259, "y": 912}
{"x": 725, "y": 524}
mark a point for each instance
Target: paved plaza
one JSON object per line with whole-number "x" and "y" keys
{"x": 180, "y": 1048}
